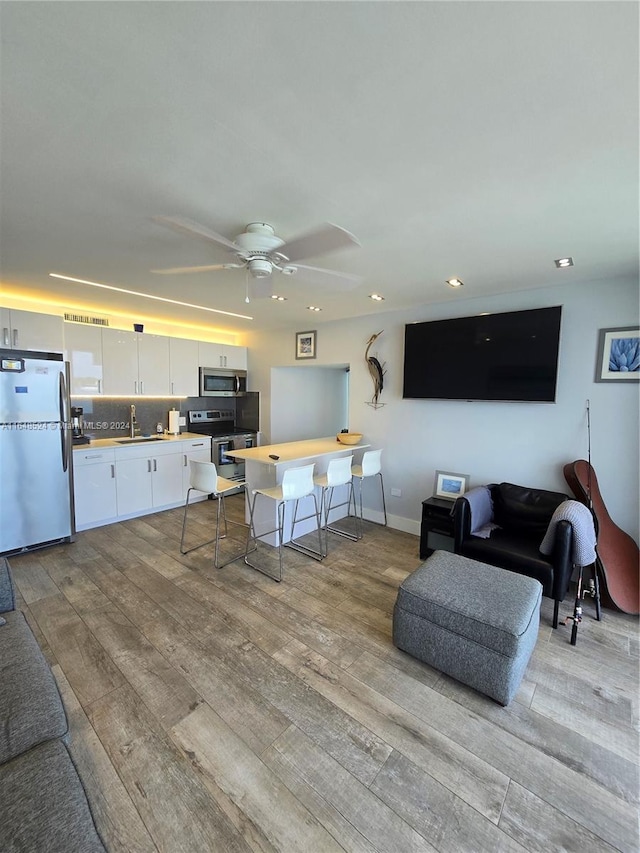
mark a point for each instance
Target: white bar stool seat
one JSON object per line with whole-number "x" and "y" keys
{"x": 203, "y": 477}
{"x": 297, "y": 483}
{"x": 370, "y": 467}
{"x": 338, "y": 474}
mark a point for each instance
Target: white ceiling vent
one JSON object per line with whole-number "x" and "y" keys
{"x": 71, "y": 317}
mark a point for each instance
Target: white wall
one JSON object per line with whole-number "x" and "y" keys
{"x": 526, "y": 443}
{"x": 307, "y": 402}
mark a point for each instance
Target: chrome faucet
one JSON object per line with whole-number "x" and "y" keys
{"x": 132, "y": 421}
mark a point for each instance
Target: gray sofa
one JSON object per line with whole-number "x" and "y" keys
{"x": 43, "y": 805}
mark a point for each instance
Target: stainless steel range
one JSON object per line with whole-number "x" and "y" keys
{"x": 219, "y": 424}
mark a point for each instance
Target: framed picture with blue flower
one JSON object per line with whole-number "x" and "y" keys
{"x": 618, "y": 355}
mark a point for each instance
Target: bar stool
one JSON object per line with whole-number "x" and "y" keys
{"x": 338, "y": 474}
{"x": 370, "y": 467}
{"x": 297, "y": 483}
{"x": 203, "y": 477}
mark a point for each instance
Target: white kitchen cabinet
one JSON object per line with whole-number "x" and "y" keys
{"x": 30, "y": 331}
{"x": 183, "y": 367}
{"x": 135, "y": 363}
{"x": 200, "y": 451}
{"x": 83, "y": 351}
{"x": 94, "y": 484}
{"x": 222, "y": 355}
{"x": 148, "y": 476}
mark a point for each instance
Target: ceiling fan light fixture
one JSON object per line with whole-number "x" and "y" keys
{"x": 455, "y": 282}
{"x": 260, "y": 267}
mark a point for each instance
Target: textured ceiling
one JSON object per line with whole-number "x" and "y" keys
{"x": 479, "y": 139}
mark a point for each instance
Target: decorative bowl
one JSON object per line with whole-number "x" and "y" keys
{"x": 349, "y": 437}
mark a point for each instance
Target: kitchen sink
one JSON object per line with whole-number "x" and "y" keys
{"x": 141, "y": 440}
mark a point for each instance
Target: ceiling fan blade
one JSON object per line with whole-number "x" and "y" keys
{"x": 327, "y": 238}
{"x": 193, "y": 229}
{"x": 206, "y": 268}
{"x": 327, "y": 278}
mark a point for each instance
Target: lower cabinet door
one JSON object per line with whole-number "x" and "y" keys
{"x": 167, "y": 479}
{"x": 133, "y": 484}
{"x": 95, "y": 493}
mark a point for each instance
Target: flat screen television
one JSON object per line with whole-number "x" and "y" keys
{"x": 510, "y": 357}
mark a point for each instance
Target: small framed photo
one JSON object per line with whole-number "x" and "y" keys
{"x": 618, "y": 355}
{"x": 306, "y": 344}
{"x": 450, "y": 486}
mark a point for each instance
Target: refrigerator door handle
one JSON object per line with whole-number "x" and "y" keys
{"x": 65, "y": 418}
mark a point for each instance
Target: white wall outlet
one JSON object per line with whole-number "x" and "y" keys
{"x": 182, "y": 421}
{"x": 397, "y": 493}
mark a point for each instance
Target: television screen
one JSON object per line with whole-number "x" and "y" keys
{"x": 509, "y": 357}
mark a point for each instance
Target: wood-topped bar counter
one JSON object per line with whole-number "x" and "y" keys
{"x": 264, "y": 472}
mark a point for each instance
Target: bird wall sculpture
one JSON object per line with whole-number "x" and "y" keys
{"x": 376, "y": 370}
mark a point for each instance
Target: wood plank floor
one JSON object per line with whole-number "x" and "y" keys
{"x": 216, "y": 710}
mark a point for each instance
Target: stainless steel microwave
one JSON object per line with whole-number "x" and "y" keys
{"x": 216, "y": 382}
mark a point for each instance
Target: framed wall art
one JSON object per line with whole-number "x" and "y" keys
{"x": 306, "y": 344}
{"x": 618, "y": 355}
{"x": 450, "y": 486}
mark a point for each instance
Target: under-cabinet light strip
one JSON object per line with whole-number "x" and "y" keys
{"x": 149, "y": 296}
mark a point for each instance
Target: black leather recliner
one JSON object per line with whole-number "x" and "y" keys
{"x": 522, "y": 515}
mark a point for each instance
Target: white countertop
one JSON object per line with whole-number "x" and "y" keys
{"x": 117, "y": 442}
{"x": 291, "y": 451}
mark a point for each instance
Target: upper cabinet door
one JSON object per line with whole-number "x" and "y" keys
{"x": 83, "y": 351}
{"x": 235, "y": 357}
{"x": 183, "y": 367}
{"x": 153, "y": 365}
{"x": 30, "y": 330}
{"x": 210, "y": 355}
{"x": 222, "y": 355}
{"x": 120, "y": 362}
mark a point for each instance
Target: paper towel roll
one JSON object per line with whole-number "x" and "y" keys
{"x": 174, "y": 422}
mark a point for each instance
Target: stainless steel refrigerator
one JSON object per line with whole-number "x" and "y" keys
{"x": 36, "y": 484}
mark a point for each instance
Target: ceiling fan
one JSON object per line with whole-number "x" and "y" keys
{"x": 261, "y": 252}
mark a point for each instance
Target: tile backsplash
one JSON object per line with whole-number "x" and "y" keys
{"x": 109, "y": 418}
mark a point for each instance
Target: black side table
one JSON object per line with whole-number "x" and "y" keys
{"x": 436, "y": 518}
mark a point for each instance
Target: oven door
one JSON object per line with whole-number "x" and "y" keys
{"x": 220, "y": 449}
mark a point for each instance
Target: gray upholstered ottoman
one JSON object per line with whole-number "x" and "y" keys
{"x": 475, "y": 622}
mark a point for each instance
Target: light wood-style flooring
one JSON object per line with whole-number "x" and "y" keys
{"x": 216, "y": 710}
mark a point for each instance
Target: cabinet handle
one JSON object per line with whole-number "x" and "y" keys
{"x": 225, "y": 361}
{"x": 155, "y": 464}
{"x": 93, "y": 456}
{"x": 198, "y": 444}
{"x": 141, "y": 387}
{"x": 148, "y": 466}
{"x": 135, "y": 385}
{"x": 99, "y": 386}
{"x": 5, "y": 336}
{"x": 15, "y": 339}
{"x": 113, "y": 472}
{"x": 172, "y": 391}
{"x": 184, "y": 464}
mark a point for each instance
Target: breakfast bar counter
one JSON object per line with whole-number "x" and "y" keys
{"x": 265, "y": 467}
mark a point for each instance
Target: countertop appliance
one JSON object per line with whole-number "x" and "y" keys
{"x": 77, "y": 426}
{"x": 218, "y": 382}
{"x": 36, "y": 485}
{"x": 219, "y": 424}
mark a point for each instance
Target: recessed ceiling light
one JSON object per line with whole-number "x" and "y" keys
{"x": 376, "y": 297}
{"x": 279, "y": 298}
{"x": 563, "y": 262}
{"x": 149, "y": 296}
{"x": 313, "y": 308}
{"x": 454, "y": 282}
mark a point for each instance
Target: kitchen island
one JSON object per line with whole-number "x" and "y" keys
{"x": 264, "y": 472}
